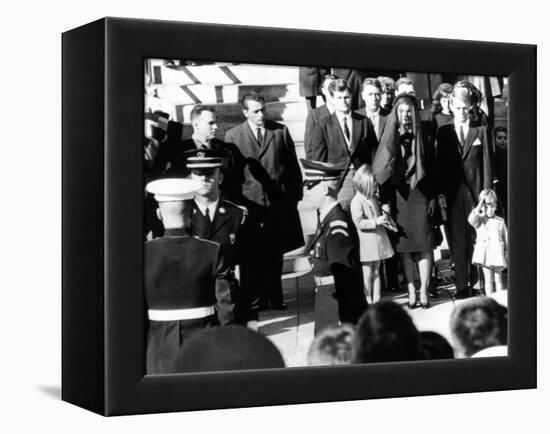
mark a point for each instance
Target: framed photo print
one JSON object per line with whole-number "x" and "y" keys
{"x": 293, "y": 216}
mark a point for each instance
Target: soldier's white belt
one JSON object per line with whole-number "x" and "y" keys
{"x": 180, "y": 314}
{"x": 323, "y": 280}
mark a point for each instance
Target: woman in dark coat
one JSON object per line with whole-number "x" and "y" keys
{"x": 441, "y": 106}
{"x": 404, "y": 169}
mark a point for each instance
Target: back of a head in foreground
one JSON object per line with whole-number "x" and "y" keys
{"x": 228, "y": 348}
{"x": 386, "y": 333}
{"x": 332, "y": 346}
{"x": 478, "y": 323}
{"x": 435, "y": 347}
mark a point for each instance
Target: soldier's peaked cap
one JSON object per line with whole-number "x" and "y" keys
{"x": 320, "y": 171}
{"x": 203, "y": 158}
{"x": 173, "y": 189}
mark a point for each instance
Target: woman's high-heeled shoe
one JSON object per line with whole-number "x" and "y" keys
{"x": 412, "y": 298}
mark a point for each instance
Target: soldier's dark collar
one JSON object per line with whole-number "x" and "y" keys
{"x": 180, "y": 232}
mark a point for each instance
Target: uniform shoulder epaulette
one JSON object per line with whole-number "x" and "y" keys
{"x": 243, "y": 209}
{"x": 207, "y": 241}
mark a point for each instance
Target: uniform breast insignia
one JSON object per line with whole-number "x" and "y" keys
{"x": 222, "y": 210}
{"x": 232, "y": 238}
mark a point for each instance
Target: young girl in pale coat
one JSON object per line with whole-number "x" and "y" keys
{"x": 491, "y": 248}
{"x": 374, "y": 244}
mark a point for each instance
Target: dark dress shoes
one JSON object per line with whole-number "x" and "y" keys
{"x": 279, "y": 306}
{"x": 462, "y": 294}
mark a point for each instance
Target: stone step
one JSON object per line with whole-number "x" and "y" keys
{"x": 226, "y": 93}
{"x": 232, "y": 112}
{"x": 223, "y": 74}
{"x": 295, "y": 128}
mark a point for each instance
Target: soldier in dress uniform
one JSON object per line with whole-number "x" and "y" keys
{"x": 186, "y": 278}
{"x": 334, "y": 249}
{"x": 221, "y": 221}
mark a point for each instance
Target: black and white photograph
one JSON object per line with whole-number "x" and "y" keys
{"x": 274, "y": 217}
{"x": 316, "y": 215}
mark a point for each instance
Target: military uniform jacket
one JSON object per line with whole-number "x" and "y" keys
{"x": 224, "y": 229}
{"x": 182, "y": 272}
{"x": 335, "y": 251}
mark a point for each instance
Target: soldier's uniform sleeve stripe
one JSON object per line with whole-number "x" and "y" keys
{"x": 338, "y": 223}
{"x": 339, "y": 231}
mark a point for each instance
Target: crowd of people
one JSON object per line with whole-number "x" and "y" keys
{"x": 383, "y": 178}
{"x": 384, "y": 333}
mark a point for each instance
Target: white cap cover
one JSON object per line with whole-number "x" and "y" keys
{"x": 173, "y": 189}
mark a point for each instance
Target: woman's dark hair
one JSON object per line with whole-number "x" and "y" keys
{"x": 435, "y": 347}
{"x": 386, "y": 333}
{"x": 444, "y": 89}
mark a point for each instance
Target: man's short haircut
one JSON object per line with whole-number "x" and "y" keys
{"x": 462, "y": 93}
{"x": 369, "y": 81}
{"x": 251, "y": 96}
{"x": 387, "y": 83}
{"x": 338, "y": 85}
{"x": 328, "y": 77}
{"x": 464, "y": 86}
{"x": 477, "y": 324}
{"x": 332, "y": 346}
{"x": 500, "y": 129}
{"x": 403, "y": 80}
{"x": 198, "y": 109}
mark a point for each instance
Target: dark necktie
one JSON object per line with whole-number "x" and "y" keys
{"x": 260, "y": 138}
{"x": 207, "y": 215}
{"x": 346, "y": 129}
{"x": 462, "y": 139}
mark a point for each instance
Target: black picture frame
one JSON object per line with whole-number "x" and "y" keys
{"x": 102, "y": 296}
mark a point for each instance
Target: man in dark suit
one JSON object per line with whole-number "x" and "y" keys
{"x": 203, "y": 120}
{"x": 271, "y": 191}
{"x": 334, "y": 249}
{"x": 221, "y": 221}
{"x": 371, "y": 92}
{"x": 463, "y": 153}
{"x": 344, "y": 137}
{"x": 319, "y": 114}
{"x": 186, "y": 279}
